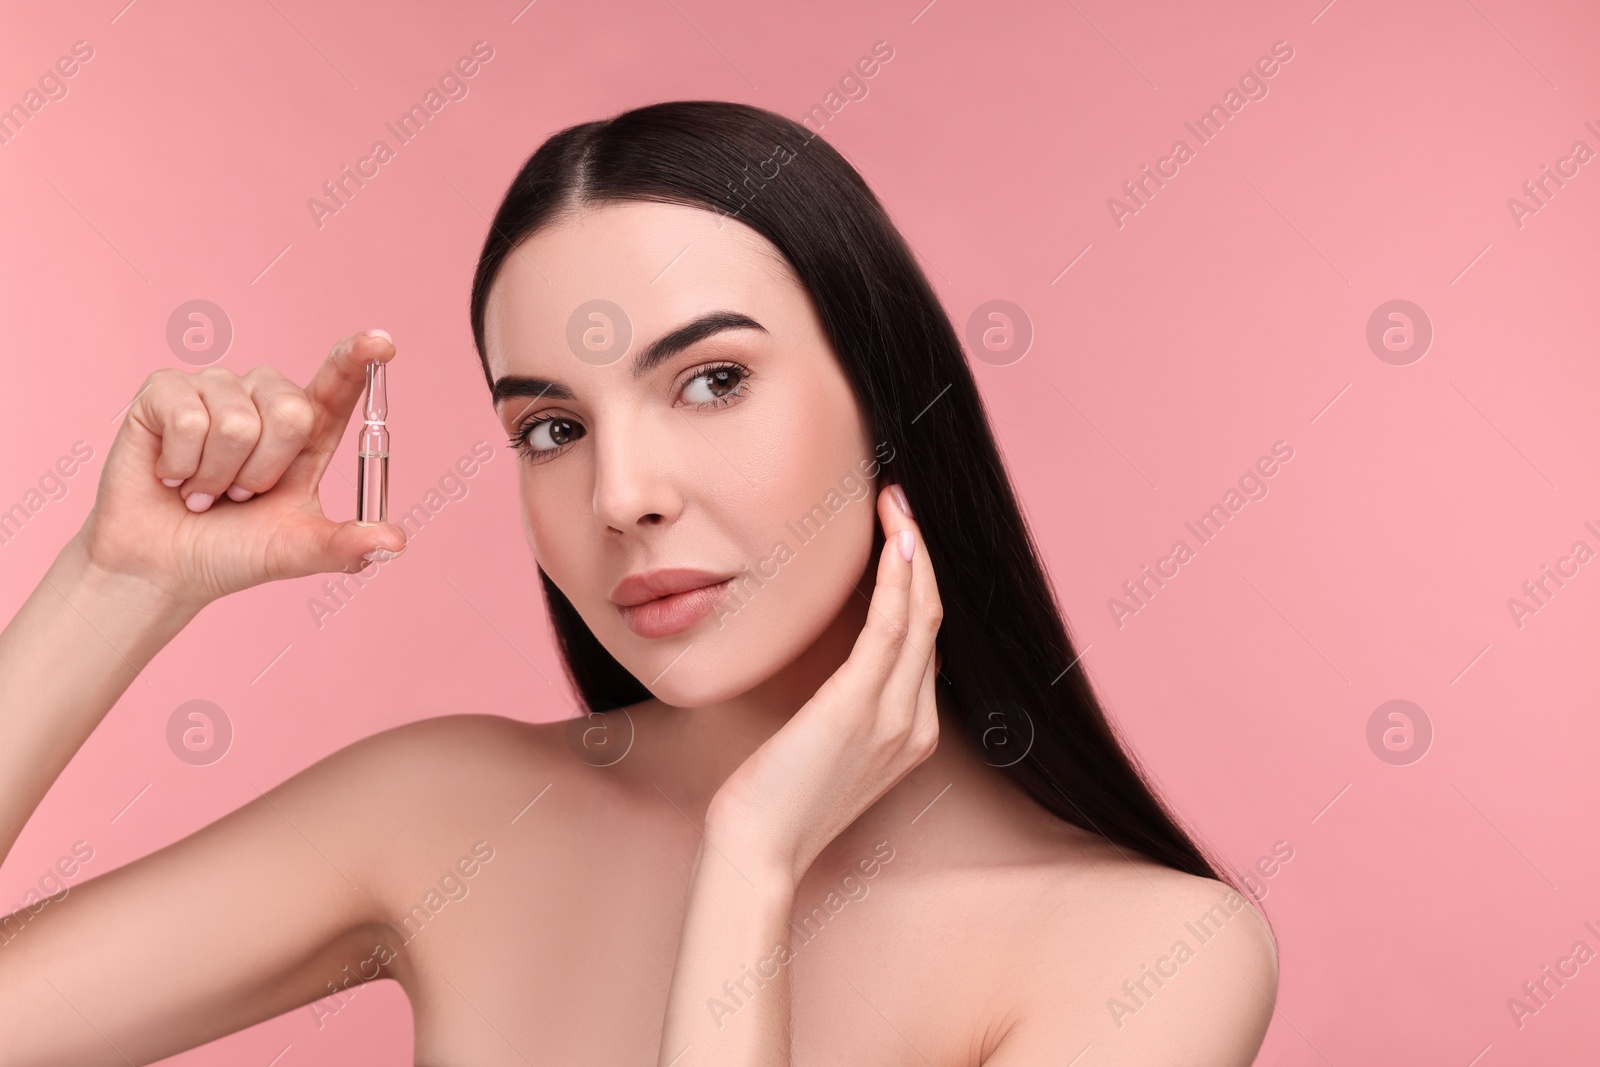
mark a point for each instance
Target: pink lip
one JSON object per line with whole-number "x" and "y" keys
{"x": 674, "y": 613}
{"x": 664, "y": 602}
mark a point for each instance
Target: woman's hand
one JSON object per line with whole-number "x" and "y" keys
{"x": 865, "y": 729}
{"x": 211, "y": 485}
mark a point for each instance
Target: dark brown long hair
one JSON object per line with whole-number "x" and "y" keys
{"x": 1009, "y": 665}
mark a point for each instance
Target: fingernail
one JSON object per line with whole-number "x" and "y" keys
{"x": 379, "y": 555}
{"x": 172, "y": 483}
{"x": 239, "y": 494}
{"x": 198, "y": 502}
{"x": 381, "y": 333}
{"x": 900, "y": 499}
{"x": 908, "y": 544}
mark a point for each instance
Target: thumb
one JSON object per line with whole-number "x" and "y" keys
{"x": 350, "y": 546}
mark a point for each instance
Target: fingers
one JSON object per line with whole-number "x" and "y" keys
{"x": 286, "y": 417}
{"x": 223, "y": 434}
{"x": 922, "y": 615}
{"x": 925, "y": 725}
{"x": 897, "y": 643}
{"x": 232, "y": 429}
{"x": 339, "y": 384}
{"x": 170, "y": 408}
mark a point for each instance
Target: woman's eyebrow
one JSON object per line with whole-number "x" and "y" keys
{"x": 652, "y": 355}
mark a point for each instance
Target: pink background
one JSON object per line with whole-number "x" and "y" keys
{"x": 1229, "y": 313}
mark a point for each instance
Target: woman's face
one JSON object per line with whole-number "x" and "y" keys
{"x": 742, "y": 454}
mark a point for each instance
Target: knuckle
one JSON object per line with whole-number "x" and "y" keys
{"x": 295, "y": 410}
{"x": 238, "y": 426}
{"x": 190, "y": 420}
{"x": 342, "y": 347}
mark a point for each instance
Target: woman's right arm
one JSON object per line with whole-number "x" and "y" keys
{"x": 167, "y": 535}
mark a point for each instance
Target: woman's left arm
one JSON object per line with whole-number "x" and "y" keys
{"x": 866, "y": 728}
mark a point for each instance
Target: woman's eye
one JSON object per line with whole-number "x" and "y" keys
{"x": 714, "y": 385}
{"x": 547, "y": 435}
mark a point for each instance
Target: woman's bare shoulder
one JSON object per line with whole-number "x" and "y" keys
{"x": 446, "y": 762}
{"x": 430, "y": 785}
{"x": 1145, "y": 954}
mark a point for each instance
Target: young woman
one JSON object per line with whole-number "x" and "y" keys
{"x": 842, "y": 796}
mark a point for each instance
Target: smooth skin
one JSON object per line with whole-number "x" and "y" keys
{"x": 813, "y": 783}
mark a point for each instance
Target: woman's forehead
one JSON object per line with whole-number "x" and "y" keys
{"x": 633, "y": 268}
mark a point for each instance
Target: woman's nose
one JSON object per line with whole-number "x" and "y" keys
{"x": 637, "y": 472}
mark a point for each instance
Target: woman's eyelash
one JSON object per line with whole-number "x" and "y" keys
{"x": 519, "y": 440}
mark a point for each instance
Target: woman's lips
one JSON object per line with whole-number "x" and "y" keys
{"x": 668, "y": 615}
